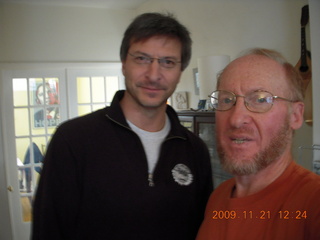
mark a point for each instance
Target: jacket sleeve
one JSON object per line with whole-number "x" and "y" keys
{"x": 56, "y": 202}
{"x": 206, "y": 172}
{"x": 205, "y": 183}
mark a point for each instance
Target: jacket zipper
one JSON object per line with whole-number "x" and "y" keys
{"x": 150, "y": 180}
{"x": 150, "y": 175}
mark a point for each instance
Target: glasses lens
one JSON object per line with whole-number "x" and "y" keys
{"x": 259, "y": 101}
{"x": 222, "y": 100}
{"x": 142, "y": 59}
{"x": 167, "y": 63}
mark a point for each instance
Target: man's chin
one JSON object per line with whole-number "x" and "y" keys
{"x": 152, "y": 103}
{"x": 240, "y": 167}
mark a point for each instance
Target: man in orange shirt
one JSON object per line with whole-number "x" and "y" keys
{"x": 259, "y": 103}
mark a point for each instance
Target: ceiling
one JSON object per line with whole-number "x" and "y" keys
{"x": 113, "y": 4}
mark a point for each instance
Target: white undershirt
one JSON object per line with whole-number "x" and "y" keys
{"x": 151, "y": 142}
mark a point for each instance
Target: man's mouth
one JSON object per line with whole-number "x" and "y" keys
{"x": 239, "y": 140}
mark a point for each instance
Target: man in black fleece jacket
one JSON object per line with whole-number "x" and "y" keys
{"x": 129, "y": 171}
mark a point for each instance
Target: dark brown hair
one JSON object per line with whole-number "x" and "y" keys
{"x": 148, "y": 25}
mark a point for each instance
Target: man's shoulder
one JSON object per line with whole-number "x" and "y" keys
{"x": 305, "y": 176}
{"x": 304, "y": 185}
{"x": 83, "y": 123}
{"x": 225, "y": 188}
{"x": 221, "y": 195}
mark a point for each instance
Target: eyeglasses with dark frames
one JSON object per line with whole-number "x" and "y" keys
{"x": 257, "y": 101}
{"x": 165, "y": 62}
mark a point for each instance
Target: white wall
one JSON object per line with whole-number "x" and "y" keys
{"x": 39, "y": 33}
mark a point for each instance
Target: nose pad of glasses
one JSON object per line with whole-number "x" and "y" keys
{"x": 245, "y": 103}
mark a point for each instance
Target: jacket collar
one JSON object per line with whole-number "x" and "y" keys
{"x": 115, "y": 113}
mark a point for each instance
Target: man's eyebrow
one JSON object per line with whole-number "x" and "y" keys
{"x": 148, "y": 55}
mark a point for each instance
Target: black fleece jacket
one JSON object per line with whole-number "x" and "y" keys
{"x": 94, "y": 183}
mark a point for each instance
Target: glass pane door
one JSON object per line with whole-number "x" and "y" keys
{"x": 94, "y": 93}
{"x": 36, "y": 106}
{"x": 95, "y": 88}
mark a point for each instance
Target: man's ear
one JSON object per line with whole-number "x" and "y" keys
{"x": 297, "y": 115}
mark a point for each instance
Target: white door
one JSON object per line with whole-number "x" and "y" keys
{"x": 35, "y": 103}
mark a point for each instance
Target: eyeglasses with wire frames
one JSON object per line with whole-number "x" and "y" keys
{"x": 257, "y": 101}
{"x": 165, "y": 62}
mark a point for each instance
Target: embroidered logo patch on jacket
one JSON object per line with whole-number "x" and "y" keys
{"x": 182, "y": 174}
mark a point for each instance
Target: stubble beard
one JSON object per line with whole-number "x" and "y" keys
{"x": 146, "y": 104}
{"x": 261, "y": 159}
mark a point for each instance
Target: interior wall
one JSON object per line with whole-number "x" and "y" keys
{"x": 42, "y": 33}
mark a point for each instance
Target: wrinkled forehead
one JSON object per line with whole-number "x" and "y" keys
{"x": 254, "y": 72}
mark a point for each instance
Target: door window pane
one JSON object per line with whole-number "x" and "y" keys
{"x": 44, "y": 95}
{"x": 83, "y": 110}
{"x": 98, "y": 94}
{"x": 26, "y": 209}
{"x": 112, "y": 85}
{"x": 20, "y": 93}
{"x": 83, "y": 90}
{"x": 36, "y": 114}
{"x": 21, "y": 121}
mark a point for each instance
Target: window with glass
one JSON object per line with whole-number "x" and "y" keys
{"x": 36, "y": 114}
{"x": 94, "y": 93}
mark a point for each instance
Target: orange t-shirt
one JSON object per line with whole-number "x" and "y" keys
{"x": 287, "y": 209}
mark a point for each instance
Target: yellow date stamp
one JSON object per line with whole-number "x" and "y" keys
{"x": 262, "y": 215}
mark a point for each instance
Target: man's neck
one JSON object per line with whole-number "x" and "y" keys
{"x": 148, "y": 119}
{"x": 250, "y": 184}
{"x": 148, "y": 122}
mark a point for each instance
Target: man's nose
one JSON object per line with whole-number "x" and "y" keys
{"x": 239, "y": 114}
{"x": 154, "y": 70}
